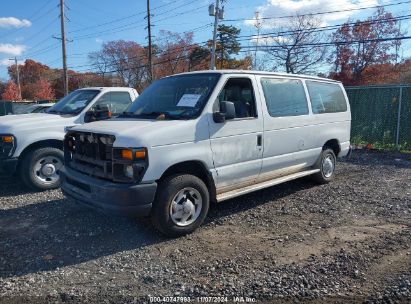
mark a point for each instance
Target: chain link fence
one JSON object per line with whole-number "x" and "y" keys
{"x": 381, "y": 116}
{"x": 5, "y": 107}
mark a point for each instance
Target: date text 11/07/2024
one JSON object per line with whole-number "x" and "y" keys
{"x": 180, "y": 299}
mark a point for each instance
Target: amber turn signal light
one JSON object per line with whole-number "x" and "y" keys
{"x": 8, "y": 139}
{"x": 140, "y": 154}
{"x": 127, "y": 154}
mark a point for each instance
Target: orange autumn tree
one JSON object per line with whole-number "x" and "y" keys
{"x": 11, "y": 91}
{"x": 363, "y": 44}
{"x": 43, "y": 90}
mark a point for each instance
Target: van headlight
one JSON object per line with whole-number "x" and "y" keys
{"x": 129, "y": 164}
{"x": 7, "y": 145}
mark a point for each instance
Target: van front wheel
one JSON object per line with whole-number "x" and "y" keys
{"x": 181, "y": 205}
{"x": 326, "y": 163}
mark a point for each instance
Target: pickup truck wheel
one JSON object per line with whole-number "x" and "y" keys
{"x": 326, "y": 163}
{"x": 181, "y": 205}
{"x": 39, "y": 169}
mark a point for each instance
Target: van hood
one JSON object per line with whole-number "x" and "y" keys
{"x": 15, "y": 124}
{"x": 148, "y": 133}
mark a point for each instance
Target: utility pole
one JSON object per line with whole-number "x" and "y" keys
{"x": 258, "y": 27}
{"x": 17, "y": 75}
{"x": 218, "y": 15}
{"x": 63, "y": 47}
{"x": 150, "y": 51}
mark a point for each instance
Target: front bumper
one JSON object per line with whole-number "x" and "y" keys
{"x": 8, "y": 166}
{"x": 111, "y": 198}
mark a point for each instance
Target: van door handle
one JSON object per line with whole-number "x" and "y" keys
{"x": 259, "y": 140}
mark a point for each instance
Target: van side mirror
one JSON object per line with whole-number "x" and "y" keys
{"x": 227, "y": 111}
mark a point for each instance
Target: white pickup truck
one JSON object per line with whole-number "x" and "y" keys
{"x": 32, "y": 144}
{"x": 208, "y": 136}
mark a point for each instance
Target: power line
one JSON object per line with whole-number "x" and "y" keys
{"x": 334, "y": 43}
{"x": 324, "y": 28}
{"x": 44, "y": 50}
{"x": 195, "y": 10}
{"x": 142, "y": 66}
{"x": 194, "y": 30}
{"x": 42, "y": 29}
{"x": 320, "y": 13}
{"x": 128, "y": 26}
{"x": 141, "y": 13}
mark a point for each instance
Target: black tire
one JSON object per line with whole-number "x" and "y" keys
{"x": 323, "y": 176}
{"x": 28, "y": 173}
{"x": 167, "y": 190}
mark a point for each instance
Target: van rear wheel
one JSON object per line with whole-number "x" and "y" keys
{"x": 326, "y": 163}
{"x": 181, "y": 205}
{"x": 39, "y": 168}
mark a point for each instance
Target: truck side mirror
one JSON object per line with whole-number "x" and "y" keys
{"x": 89, "y": 116}
{"x": 227, "y": 111}
{"x": 98, "y": 114}
{"x": 103, "y": 113}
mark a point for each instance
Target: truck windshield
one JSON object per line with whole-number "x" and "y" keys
{"x": 74, "y": 102}
{"x": 176, "y": 97}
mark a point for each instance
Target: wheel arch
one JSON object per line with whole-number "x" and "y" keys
{"x": 47, "y": 143}
{"x": 196, "y": 168}
{"x": 334, "y": 144}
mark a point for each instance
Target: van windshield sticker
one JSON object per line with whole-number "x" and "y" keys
{"x": 188, "y": 100}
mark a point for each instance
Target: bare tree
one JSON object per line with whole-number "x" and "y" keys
{"x": 174, "y": 53}
{"x": 127, "y": 59}
{"x": 296, "y": 46}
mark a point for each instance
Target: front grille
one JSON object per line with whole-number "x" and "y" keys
{"x": 90, "y": 153}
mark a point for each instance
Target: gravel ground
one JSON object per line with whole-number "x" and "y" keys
{"x": 348, "y": 241}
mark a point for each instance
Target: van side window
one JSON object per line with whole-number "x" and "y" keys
{"x": 116, "y": 102}
{"x": 284, "y": 97}
{"x": 240, "y": 92}
{"x": 326, "y": 97}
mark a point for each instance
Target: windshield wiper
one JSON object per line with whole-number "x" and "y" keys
{"x": 127, "y": 114}
{"x": 72, "y": 112}
{"x": 53, "y": 112}
{"x": 147, "y": 115}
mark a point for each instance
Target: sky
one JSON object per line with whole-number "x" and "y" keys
{"x": 28, "y": 28}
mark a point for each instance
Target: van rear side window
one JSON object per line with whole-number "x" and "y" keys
{"x": 326, "y": 97}
{"x": 284, "y": 97}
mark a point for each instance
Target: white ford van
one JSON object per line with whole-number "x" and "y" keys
{"x": 32, "y": 144}
{"x": 201, "y": 137}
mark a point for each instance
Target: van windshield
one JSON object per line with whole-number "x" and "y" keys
{"x": 176, "y": 97}
{"x": 74, "y": 102}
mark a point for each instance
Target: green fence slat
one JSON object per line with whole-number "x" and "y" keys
{"x": 405, "y": 121}
{"x": 375, "y": 114}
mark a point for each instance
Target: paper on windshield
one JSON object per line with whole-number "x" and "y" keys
{"x": 80, "y": 103}
{"x": 188, "y": 100}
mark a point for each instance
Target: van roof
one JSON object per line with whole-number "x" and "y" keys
{"x": 259, "y": 73}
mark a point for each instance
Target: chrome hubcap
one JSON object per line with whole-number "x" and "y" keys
{"x": 328, "y": 166}
{"x": 46, "y": 169}
{"x": 186, "y": 207}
